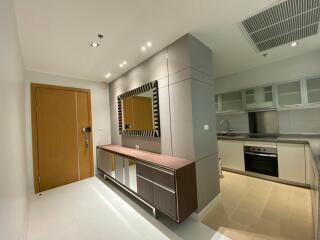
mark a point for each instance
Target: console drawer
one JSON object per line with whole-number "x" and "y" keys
{"x": 145, "y": 189}
{"x": 145, "y": 171}
{"x": 165, "y": 200}
{"x": 164, "y": 178}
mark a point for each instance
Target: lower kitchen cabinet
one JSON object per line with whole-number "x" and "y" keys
{"x": 291, "y": 162}
{"x": 231, "y": 154}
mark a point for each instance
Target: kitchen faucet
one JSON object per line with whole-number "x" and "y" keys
{"x": 227, "y": 123}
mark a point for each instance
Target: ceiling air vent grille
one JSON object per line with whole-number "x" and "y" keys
{"x": 283, "y": 23}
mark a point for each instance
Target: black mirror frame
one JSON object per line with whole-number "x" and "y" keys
{"x": 156, "y": 111}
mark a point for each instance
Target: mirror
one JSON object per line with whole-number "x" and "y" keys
{"x": 138, "y": 111}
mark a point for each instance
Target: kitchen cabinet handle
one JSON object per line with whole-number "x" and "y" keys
{"x": 261, "y": 154}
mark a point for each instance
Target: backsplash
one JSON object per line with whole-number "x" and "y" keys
{"x": 238, "y": 121}
{"x": 293, "y": 121}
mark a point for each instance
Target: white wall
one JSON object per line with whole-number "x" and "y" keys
{"x": 13, "y": 174}
{"x": 100, "y": 111}
{"x": 290, "y": 69}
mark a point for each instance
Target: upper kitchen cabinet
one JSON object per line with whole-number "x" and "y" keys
{"x": 260, "y": 98}
{"x": 230, "y": 102}
{"x": 289, "y": 94}
{"x": 313, "y": 90}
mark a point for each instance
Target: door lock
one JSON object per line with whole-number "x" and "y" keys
{"x": 86, "y": 129}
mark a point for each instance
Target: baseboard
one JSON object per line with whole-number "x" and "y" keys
{"x": 266, "y": 177}
{"x": 200, "y": 215}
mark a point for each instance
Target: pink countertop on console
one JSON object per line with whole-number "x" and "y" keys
{"x": 170, "y": 162}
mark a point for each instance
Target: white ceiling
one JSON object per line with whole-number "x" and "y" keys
{"x": 55, "y": 35}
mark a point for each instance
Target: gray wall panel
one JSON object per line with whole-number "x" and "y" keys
{"x": 203, "y": 114}
{"x": 165, "y": 124}
{"x": 201, "y": 56}
{"x": 179, "y": 55}
{"x": 181, "y": 120}
{"x": 208, "y": 182}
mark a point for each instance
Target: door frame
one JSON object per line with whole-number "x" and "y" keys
{"x": 34, "y": 86}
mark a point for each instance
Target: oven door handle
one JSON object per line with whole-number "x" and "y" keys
{"x": 261, "y": 154}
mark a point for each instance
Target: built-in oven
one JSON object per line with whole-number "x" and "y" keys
{"x": 263, "y": 160}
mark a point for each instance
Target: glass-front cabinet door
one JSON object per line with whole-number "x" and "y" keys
{"x": 231, "y": 102}
{"x": 313, "y": 90}
{"x": 259, "y": 98}
{"x": 289, "y": 94}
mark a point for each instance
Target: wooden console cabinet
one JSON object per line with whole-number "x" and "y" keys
{"x": 166, "y": 183}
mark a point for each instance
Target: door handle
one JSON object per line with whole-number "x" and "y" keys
{"x": 86, "y": 131}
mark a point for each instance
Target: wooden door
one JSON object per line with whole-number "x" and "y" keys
{"x": 62, "y": 151}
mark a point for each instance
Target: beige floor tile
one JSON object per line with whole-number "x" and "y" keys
{"x": 269, "y": 228}
{"x": 245, "y": 218}
{"x": 299, "y": 229}
{"x": 236, "y": 234}
{"x": 252, "y": 204}
{"x": 276, "y": 215}
{"x": 256, "y": 209}
{"x": 266, "y": 237}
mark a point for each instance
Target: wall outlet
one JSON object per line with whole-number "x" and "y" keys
{"x": 206, "y": 127}
{"x": 137, "y": 147}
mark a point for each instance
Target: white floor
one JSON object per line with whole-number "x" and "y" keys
{"x": 92, "y": 209}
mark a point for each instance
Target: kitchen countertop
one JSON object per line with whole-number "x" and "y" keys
{"x": 312, "y": 139}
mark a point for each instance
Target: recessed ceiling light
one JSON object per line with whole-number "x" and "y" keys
{"x": 107, "y": 75}
{"x": 143, "y": 48}
{"x": 121, "y": 65}
{"x": 124, "y": 62}
{"x": 94, "y": 44}
{"x": 149, "y": 44}
{"x": 294, "y": 44}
